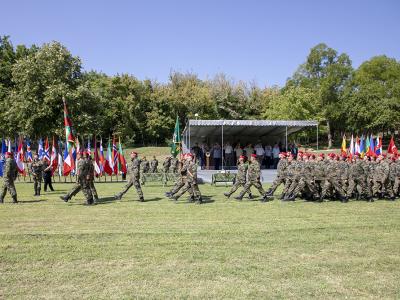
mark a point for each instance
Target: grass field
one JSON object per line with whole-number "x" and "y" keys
{"x": 221, "y": 249}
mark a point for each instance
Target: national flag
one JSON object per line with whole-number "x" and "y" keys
{"x": 121, "y": 158}
{"x": 78, "y": 145}
{"x": 46, "y": 153}
{"x": 53, "y": 158}
{"x": 102, "y": 160}
{"x": 367, "y": 146}
{"x": 344, "y": 148}
{"x": 20, "y": 158}
{"x": 89, "y": 149}
{"x": 378, "y": 147}
{"x": 69, "y": 130}
{"x": 362, "y": 146}
{"x": 40, "y": 152}
{"x": 108, "y": 167}
{"x": 97, "y": 168}
{"x": 115, "y": 157}
{"x": 371, "y": 151}
{"x": 357, "y": 145}
{"x": 29, "y": 157}
{"x": 392, "y": 149}
{"x": 352, "y": 149}
{"x": 2, "y": 158}
{"x": 176, "y": 140}
{"x": 60, "y": 163}
{"x": 9, "y": 146}
{"x": 69, "y": 164}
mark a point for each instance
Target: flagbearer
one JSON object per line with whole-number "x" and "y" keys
{"x": 37, "y": 173}
{"x": 9, "y": 175}
{"x": 134, "y": 177}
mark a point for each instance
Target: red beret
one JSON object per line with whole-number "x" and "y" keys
{"x": 321, "y": 155}
{"x": 242, "y": 156}
{"x": 8, "y": 153}
{"x": 133, "y": 152}
{"x": 282, "y": 153}
{"x": 253, "y": 155}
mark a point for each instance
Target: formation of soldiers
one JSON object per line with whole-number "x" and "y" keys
{"x": 319, "y": 177}
{"x": 311, "y": 177}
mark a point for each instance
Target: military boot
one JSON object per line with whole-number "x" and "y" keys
{"x": 38, "y": 192}
{"x": 64, "y": 198}
{"x": 227, "y": 195}
{"x": 239, "y": 197}
{"x": 269, "y": 192}
{"x": 1, "y": 200}
{"x": 141, "y": 199}
{"x": 250, "y": 196}
{"x": 199, "y": 200}
{"x": 14, "y": 199}
{"x": 291, "y": 197}
{"x": 117, "y": 197}
{"x": 168, "y": 194}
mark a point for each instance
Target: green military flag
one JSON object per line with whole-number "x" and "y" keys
{"x": 176, "y": 140}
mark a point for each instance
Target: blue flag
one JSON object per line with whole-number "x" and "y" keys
{"x": 2, "y": 159}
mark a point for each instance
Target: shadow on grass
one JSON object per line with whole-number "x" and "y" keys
{"x": 153, "y": 199}
{"x": 32, "y": 201}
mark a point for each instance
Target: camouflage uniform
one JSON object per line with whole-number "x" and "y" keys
{"x": 303, "y": 178}
{"x": 240, "y": 179}
{"x": 153, "y": 165}
{"x": 290, "y": 174}
{"x": 392, "y": 179}
{"x": 181, "y": 180}
{"x": 357, "y": 180}
{"x": 253, "y": 178}
{"x": 319, "y": 174}
{"x": 281, "y": 176}
{"x": 91, "y": 179}
{"x": 173, "y": 168}
{"x": 81, "y": 182}
{"x": 144, "y": 168}
{"x": 380, "y": 178}
{"x": 332, "y": 179}
{"x": 344, "y": 174}
{"x": 190, "y": 183}
{"x": 397, "y": 179}
{"x": 9, "y": 175}
{"x": 37, "y": 173}
{"x": 166, "y": 164}
{"x": 134, "y": 177}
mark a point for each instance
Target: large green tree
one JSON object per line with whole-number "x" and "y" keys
{"x": 326, "y": 73}
{"x": 372, "y": 96}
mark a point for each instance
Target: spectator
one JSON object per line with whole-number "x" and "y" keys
{"x": 238, "y": 151}
{"x": 216, "y": 153}
{"x": 259, "y": 152}
{"x": 196, "y": 151}
{"x": 294, "y": 150}
{"x": 275, "y": 155}
{"x": 204, "y": 149}
{"x": 268, "y": 156}
{"x": 229, "y": 155}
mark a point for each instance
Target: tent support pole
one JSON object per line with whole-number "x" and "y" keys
{"x": 286, "y": 139}
{"x": 222, "y": 146}
{"x": 189, "y": 137}
{"x": 317, "y": 137}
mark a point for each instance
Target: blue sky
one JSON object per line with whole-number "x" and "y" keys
{"x": 261, "y": 41}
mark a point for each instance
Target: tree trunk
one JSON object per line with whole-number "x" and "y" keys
{"x": 328, "y": 125}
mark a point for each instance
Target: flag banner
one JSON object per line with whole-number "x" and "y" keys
{"x": 69, "y": 131}
{"x": 2, "y": 158}
{"x": 54, "y": 157}
{"x": 29, "y": 157}
{"x": 357, "y": 146}
{"x": 108, "y": 167}
{"x": 362, "y": 146}
{"x": 40, "y": 151}
{"x": 97, "y": 168}
{"x": 102, "y": 160}
{"x": 115, "y": 157}
{"x": 352, "y": 148}
{"x": 20, "y": 158}
{"x": 343, "y": 148}
{"x": 46, "y": 153}
{"x": 392, "y": 149}
{"x": 176, "y": 140}
{"x": 371, "y": 151}
{"x": 121, "y": 158}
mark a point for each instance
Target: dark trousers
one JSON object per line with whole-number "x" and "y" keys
{"x": 276, "y": 160}
{"x": 268, "y": 162}
{"x": 47, "y": 182}
{"x": 217, "y": 163}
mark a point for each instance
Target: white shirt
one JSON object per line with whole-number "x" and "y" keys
{"x": 268, "y": 151}
{"x": 239, "y": 151}
{"x": 275, "y": 152}
{"x": 228, "y": 149}
{"x": 259, "y": 150}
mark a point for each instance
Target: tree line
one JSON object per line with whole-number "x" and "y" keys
{"x": 326, "y": 87}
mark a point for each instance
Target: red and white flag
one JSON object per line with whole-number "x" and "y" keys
{"x": 20, "y": 158}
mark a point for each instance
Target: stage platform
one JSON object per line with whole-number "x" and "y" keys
{"x": 205, "y": 176}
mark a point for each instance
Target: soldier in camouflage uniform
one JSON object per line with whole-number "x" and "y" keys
{"x": 37, "y": 173}
{"x": 392, "y": 178}
{"x": 344, "y": 172}
{"x": 281, "y": 175}
{"x": 134, "y": 177}
{"x": 9, "y": 175}
{"x": 82, "y": 181}
{"x": 332, "y": 179}
{"x": 380, "y": 177}
{"x": 154, "y": 165}
{"x": 144, "y": 168}
{"x": 166, "y": 164}
{"x": 91, "y": 176}
{"x": 356, "y": 175}
{"x": 173, "y": 168}
{"x": 396, "y": 183}
{"x": 240, "y": 179}
{"x": 253, "y": 179}
{"x": 181, "y": 179}
{"x": 319, "y": 174}
{"x": 190, "y": 182}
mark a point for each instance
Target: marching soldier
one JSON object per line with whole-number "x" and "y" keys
{"x": 82, "y": 181}
{"x": 90, "y": 177}
{"x": 173, "y": 168}
{"x": 134, "y": 177}
{"x": 281, "y": 176}
{"x": 253, "y": 178}
{"x": 181, "y": 179}
{"x": 154, "y": 165}
{"x": 9, "y": 175}
{"x": 240, "y": 180}
{"x": 37, "y": 174}
{"x": 332, "y": 178}
{"x": 166, "y": 164}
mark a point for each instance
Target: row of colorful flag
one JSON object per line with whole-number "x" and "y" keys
{"x": 367, "y": 145}
{"x": 111, "y": 162}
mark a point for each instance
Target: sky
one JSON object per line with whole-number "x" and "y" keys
{"x": 254, "y": 41}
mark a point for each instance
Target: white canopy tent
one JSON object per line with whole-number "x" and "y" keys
{"x": 266, "y": 131}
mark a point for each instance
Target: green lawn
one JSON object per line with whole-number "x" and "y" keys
{"x": 221, "y": 249}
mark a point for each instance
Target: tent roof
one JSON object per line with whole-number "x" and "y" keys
{"x": 247, "y": 128}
